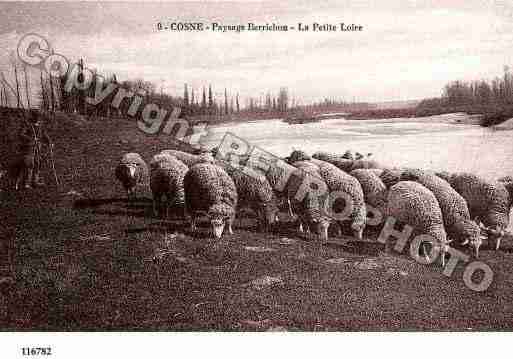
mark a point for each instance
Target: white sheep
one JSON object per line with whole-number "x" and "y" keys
{"x": 166, "y": 180}
{"x": 131, "y": 172}
{"x": 208, "y": 188}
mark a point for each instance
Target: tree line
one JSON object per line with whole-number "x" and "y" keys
{"x": 53, "y": 95}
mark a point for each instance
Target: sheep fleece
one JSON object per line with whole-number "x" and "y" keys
{"x": 168, "y": 179}
{"x": 141, "y": 173}
{"x": 374, "y": 190}
{"x": 413, "y": 204}
{"x": 253, "y": 190}
{"x": 490, "y": 201}
{"x": 339, "y": 181}
{"x": 206, "y": 185}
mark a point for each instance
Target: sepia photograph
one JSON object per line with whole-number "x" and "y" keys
{"x": 255, "y": 166}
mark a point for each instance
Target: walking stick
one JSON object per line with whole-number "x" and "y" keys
{"x": 53, "y": 167}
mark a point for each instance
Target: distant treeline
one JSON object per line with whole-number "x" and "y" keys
{"x": 492, "y": 98}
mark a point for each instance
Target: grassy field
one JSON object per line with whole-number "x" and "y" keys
{"x": 82, "y": 258}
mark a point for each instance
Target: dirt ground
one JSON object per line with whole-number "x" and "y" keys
{"x": 82, "y": 258}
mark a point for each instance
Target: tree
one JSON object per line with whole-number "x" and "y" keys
{"x": 283, "y": 99}
{"x": 185, "y": 96}
{"x": 52, "y": 98}
{"x": 225, "y": 102}
{"x": 27, "y": 86}
{"x": 237, "y": 103}
{"x": 13, "y": 62}
{"x": 192, "y": 97}
{"x": 211, "y": 104}
{"x": 44, "y": 98}
{"x": 204, "y": 101}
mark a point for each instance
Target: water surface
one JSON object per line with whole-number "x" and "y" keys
{"x": 430, "y": 143}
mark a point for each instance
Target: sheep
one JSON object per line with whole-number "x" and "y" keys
{"x": 455, "y": 212}
{"x": 362, "y": 163}
{"x": 309, "y": 208}
{"x": 188, "y": 158}
{"x": 254, "y": 191}
{"x": 208, "y": 188}
{"x": 19, "y": 170}
{"x": 166, "y": 179}
{"x": 336, "y": 181}
{"x": 413, "y": 204}
{"x": 347, "y": 163}
{"x": 298, "y": 155}
{"x": 376, "y": 171}
{"x": 445, "y": 175}
{"x": 340, "y": 182}
{"x": 392, "y": 176}
{"x": 159, "y": 158}
{"x": 132, "y": 171}
{"x": 374, "y": 190}
{"x": 488, "y": 202}
{"x": 505, "y": 179}
{"x": 325, "y": 156}
{"x": 344, "y": 164}
{"x": 348, "y": 155}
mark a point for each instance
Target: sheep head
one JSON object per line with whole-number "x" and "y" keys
{"x": 470, "y": 232}
{"x": 496, "y": 234}
{"x": 218, "y": 214}
{"x": 270, "y": 212}
{"x": 321, "y": 225}
{"x": 217, "y": 226}
{"x": 128, "y": 171}
{"x": 358, "y": 230}
{"x": 298, "y": 155}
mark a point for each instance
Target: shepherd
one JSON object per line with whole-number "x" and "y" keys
{"x": 31, "y": 138}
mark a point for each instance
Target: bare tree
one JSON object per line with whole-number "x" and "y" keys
{"x": 44, "y": 104}
{"x": 27, "y": 86}
{"x": 13, "y": 62}
{"x": 225, "y": 102}
{"x": 6, "y": 99}
{"x": 52, "y": 99}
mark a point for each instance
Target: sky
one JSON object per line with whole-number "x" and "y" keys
{"x": 407, "y": 49}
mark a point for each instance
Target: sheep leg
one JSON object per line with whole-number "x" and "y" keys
{"x": 19, "y": 178}
{"x": 230, "y": 220}
{"x": 166, "y": 211}
{"x": 289, "y": 205}
{"x": 28, "y": 177}
{"x": 156, "y": 201}
{"x": 193, "y": 223}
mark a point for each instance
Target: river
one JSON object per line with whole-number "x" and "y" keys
{"x": 429, "y": 143}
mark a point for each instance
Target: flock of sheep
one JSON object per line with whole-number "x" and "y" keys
{"x": 458, "y": 208}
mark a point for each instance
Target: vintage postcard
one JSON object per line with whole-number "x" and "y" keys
{"x": 261, "y": 166}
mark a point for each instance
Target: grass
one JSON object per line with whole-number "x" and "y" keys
{"x": 83, "y": 258}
